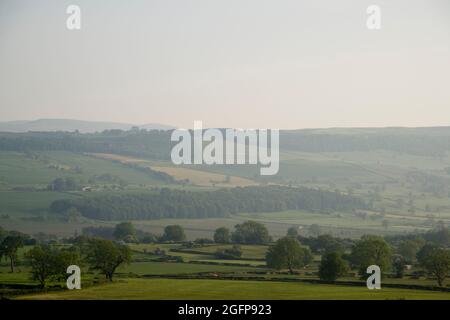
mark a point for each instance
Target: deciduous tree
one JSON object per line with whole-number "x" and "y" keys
{"x": 9, "y": 247}
{"x": 287, "y": 253}
{"x": 332, "y": 266}
{"x": 106, "y": 256}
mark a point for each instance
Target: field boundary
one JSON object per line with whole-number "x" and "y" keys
{"x": 312, "y": 281}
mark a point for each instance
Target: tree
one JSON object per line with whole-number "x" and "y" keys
{"x": 287, "y": 253}
{"x": 314, "y": 230}
{"x": 106, "y": 256}
{"x": 9, "y": 247}
{"x": 371, "y": 250}
{"x": 437, "y": 262}
{"x": 174, "y": 233}
{"x": 220, "y": 203}
{"x": 292, "y": 232}
{"x": 48, "y": 263}
{"x": 60, "y": 184}
{"x": 125, "y": 231}
{"x": 423, "y": 253}
{"x": 222, "y": 235}
{"x": 148, "y": 238}
{"x": 2, "y": 234}
{"x": 326, "y": 243}
{"x": 409, "y": 248}
{"x": 399, "y": 265}
{"x": 439, "y": 236}
{"x": 251, "y": 232}
{"x": 332, "y": 266}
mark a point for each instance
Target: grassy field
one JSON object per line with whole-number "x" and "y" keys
{"x": 38, "y": 169}
{"x": 410, "y": 192}
{"x": 248, "y": 251}
{"x": 154, "y": 289}
{"x": 380, "y": 177}
{"x": 194, "y": 176}
{"x": 170, "y": 268}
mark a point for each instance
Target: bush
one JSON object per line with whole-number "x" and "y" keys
{"x": 234, "y": 252}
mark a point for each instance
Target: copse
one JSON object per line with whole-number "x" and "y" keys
{"x": 251, "y": 232}
{"x": 371, "y": 250}
{"x": 287, "y": 253}
{"x": 181, "y": 204}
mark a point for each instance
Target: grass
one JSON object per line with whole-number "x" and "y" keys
{"x": 340, "y": 170}
{"x": 195, "y": 177}
{"x": 17, "y": 169}
{"x": 202, "y": 178}
{"x": 20, "y": 276}
{"x": 17, "y": 203}
{"x": 248, "y": 251}
{"x": 171, "y": 268}
{"x": 160, "y": 289}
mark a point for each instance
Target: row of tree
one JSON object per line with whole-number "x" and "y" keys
{"x": 149, "y": 144}
{"x": 169, "y": 203}
{"x": 248, "y": 232}
{"x": 338, "y": 256}
{"x": 49, "y": 262}
{"x": 157, "y": 144}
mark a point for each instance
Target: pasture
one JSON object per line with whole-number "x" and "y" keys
{"x": 182, "y": 289}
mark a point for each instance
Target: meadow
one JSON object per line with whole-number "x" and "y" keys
{"x": 384, "y": 178}
{"x": 203, "y": 276}
{"x": 408, "y": 193}
{"x": 177, "y": 289}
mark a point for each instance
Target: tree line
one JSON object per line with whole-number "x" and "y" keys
{"x": 429, "y": 252}
{"x": 153, "y": 144}
{"x": 169, "y": 203}
{"x": 156, "y": 144}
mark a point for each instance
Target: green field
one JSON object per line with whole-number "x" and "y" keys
{"x": 248, "y": 251}
{"x": 154, "y": 289}
{"x": 38, "y": 169}
{"x": 169, "y": 268}
{"x": 382, "y": 177}
{"x": 391, "y": 181}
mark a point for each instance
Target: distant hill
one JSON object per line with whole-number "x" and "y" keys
{"x": 73, "y": 125}
{"x": 156, "y": 144}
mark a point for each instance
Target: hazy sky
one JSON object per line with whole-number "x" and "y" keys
{"x": 229, "y": 63}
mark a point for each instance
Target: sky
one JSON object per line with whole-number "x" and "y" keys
{"x": 230, "y": 63}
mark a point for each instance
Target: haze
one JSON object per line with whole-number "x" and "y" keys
{"x": 246, "y": 63}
